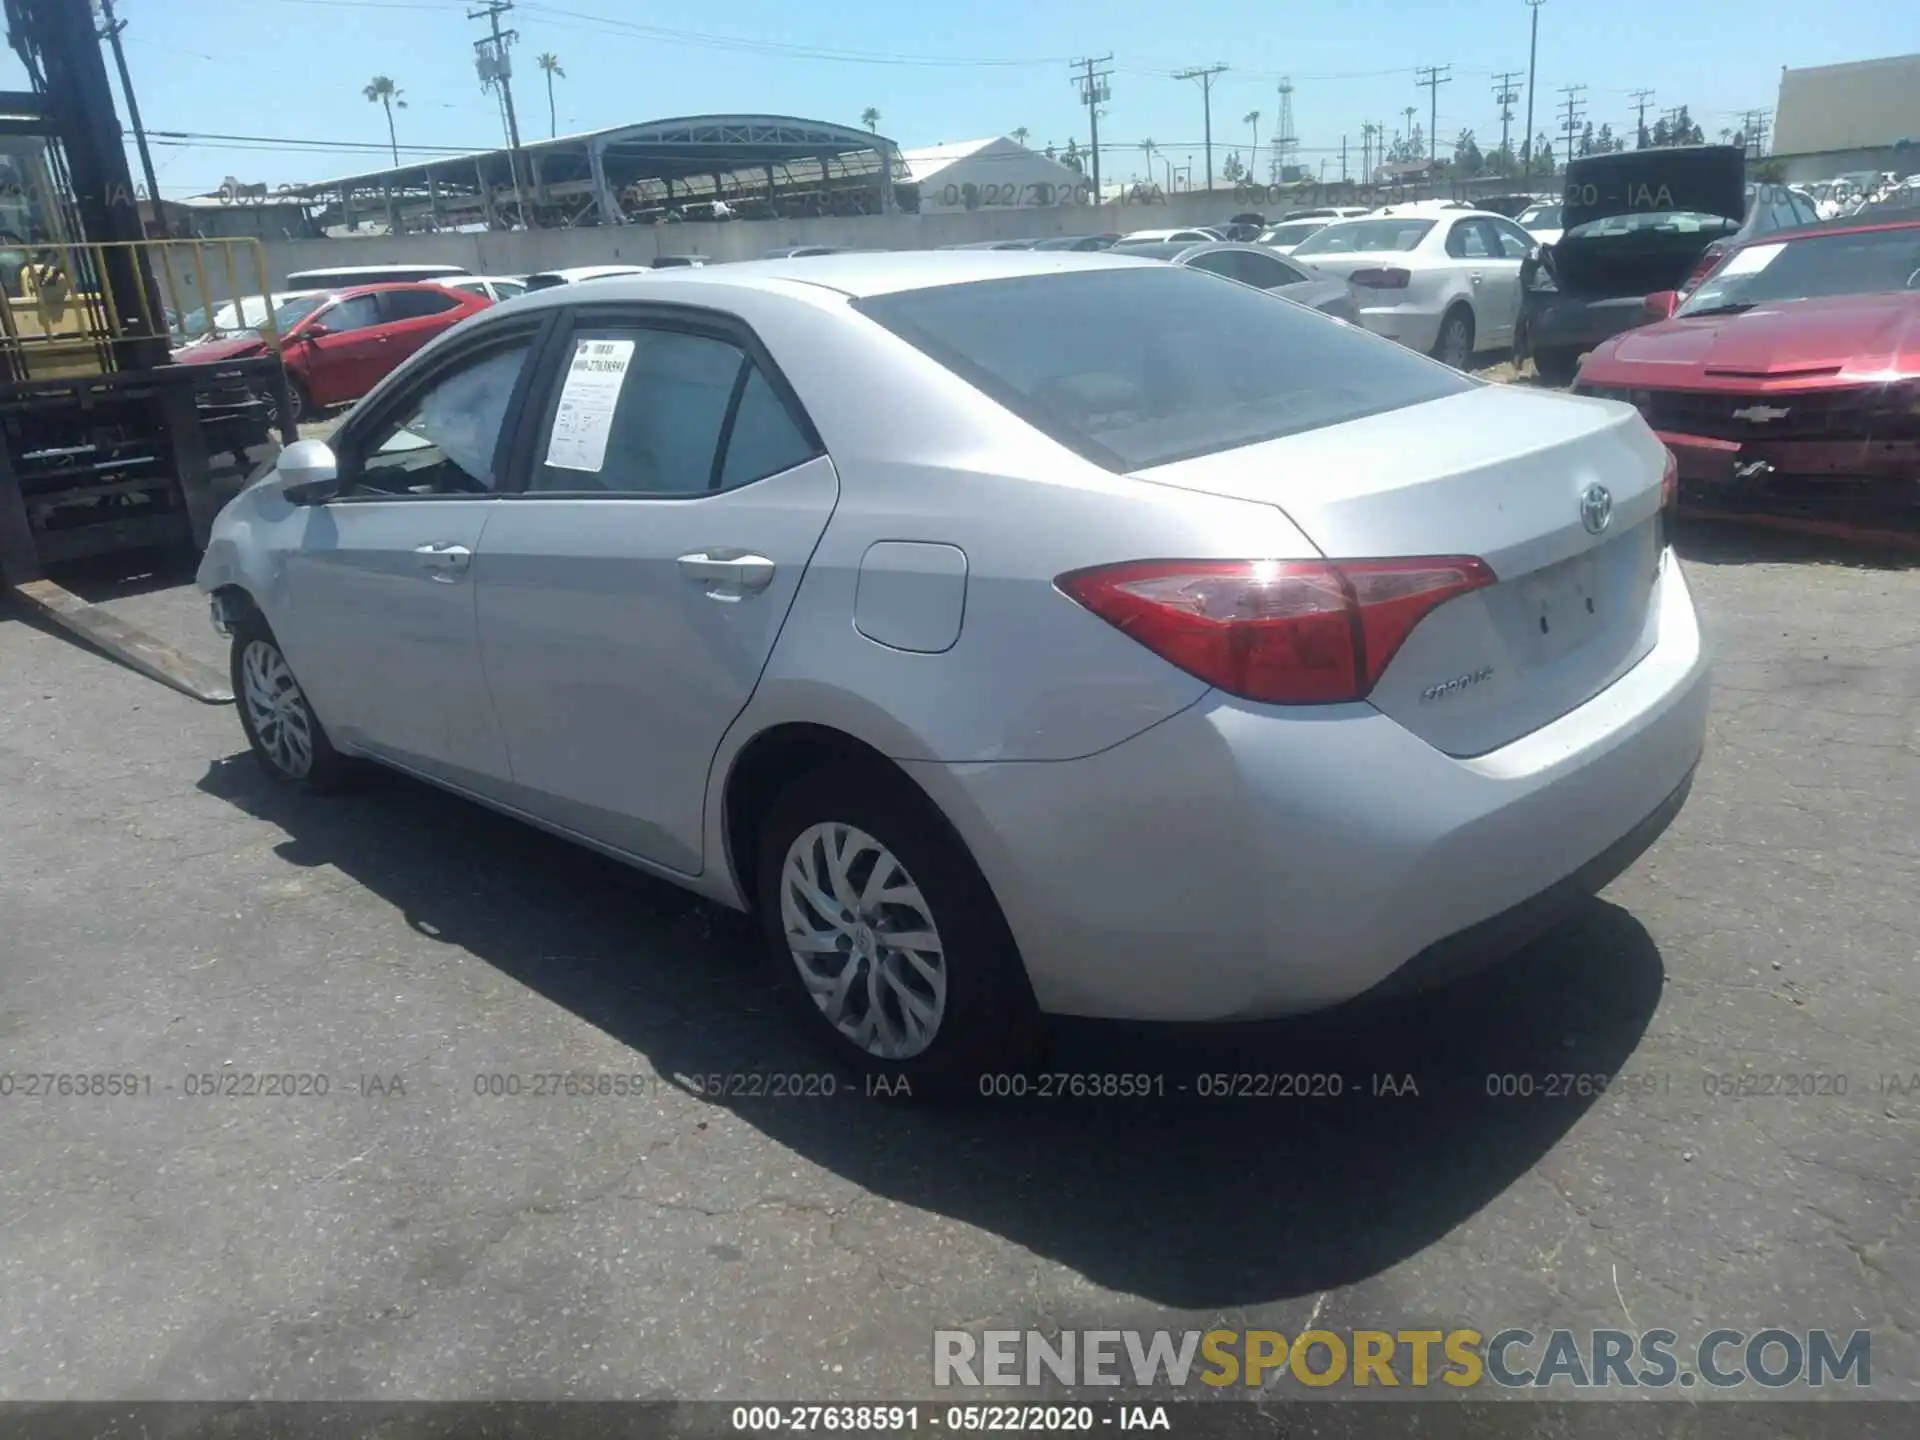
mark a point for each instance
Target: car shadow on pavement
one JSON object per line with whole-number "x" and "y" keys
{"x": 1714, "y": 542}
{"x": 1184, "y": 1201}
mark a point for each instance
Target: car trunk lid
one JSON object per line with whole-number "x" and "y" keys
{"x": 1668, "y": 205}
{"x": 1501, "y": 475}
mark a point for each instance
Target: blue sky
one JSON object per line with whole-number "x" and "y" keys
{"x": 945, "y": 71}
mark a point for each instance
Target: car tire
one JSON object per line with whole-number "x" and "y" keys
{"x": 1454, "y": 345}
{"x": 298, "y": 396}
{"x": 838, "y": 830}
{"x": 1556, "y": 367}
{"x": 286, "y": 737}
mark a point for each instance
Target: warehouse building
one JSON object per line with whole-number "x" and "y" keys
{"x": 1836, "y": 119}
{"x": 993, "y": 174}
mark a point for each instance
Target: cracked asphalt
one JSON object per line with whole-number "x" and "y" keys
{"x": 165, "y": 913}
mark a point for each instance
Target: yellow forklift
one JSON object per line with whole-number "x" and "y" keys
{"x": 106, "y": 443}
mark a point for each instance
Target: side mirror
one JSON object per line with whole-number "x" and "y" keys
{"x": 1662, "y": 303}
{"x": 314, "y": 332}
{"x": 309, "y": 474}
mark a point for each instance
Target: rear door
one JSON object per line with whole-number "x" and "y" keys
{"x": 628, "y": 599}
{"x": 413, "y": 317}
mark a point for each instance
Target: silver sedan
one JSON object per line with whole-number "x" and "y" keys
{"x": 1014, "y": 634}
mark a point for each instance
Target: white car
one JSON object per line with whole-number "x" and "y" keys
{"x": 1188, "y": 656}
{"x": 1191, "y": 235}
{"x": 1289, "y": 233}
{"x": 574, "y": 274}
{"x": 494, "y": 287}
{"x": 1442, "y": 281}
{"x": 1541, "y": 221}
{"x": 250, "y": 313}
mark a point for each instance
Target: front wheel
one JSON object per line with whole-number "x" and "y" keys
{"x": 285, "y": 735}
{"x": 885, "y": 939}
{"x": 1455, "y": 345}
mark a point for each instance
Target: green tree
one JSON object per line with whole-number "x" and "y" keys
{"x": 1233, "y": 170}
{"x": 1252, "y": 117}
{"x": 550, "y": 63}
{"x": 1467, "y": 159}
{"x": 382, "y": 91}
{"x": 1070, "y": 157}
{"x": 1019, "y": 134}
{"x": 870, "y": 118}
{"x": 1585, "y": 146}
{"x": 1541, "y": 157}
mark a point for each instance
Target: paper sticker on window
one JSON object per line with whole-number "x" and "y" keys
{"x": 1750, "y": 261}
{"x": 587, "y": 401}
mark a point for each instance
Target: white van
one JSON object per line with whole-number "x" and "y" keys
{"x": 346, "y": 275}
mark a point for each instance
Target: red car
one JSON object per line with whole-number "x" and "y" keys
{"x": 339, "y": 344}
{"x": 1787, "y": 384}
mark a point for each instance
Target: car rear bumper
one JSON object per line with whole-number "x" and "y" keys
{"x": 1239, "y": 860}
{"x": 1566, "y": 322}
{"x": 1416, "y": 329}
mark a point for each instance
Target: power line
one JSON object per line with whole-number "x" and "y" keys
{"x": 1575, "y": 106}
{"x": 1095, "y": 92}
{"x": 1504, "y": 95}
{"x": 1206, "y": 75}
{"x": 1640, "y": 98}
{"x": 1430, "y": 77}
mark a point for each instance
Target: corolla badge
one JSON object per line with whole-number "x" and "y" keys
{"x": 1456, "y": 685}
{"x": 1761, "y": 414}
{"x": 1596, "y": 508}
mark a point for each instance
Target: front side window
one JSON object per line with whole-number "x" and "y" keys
{"x": 356, "y": 313}
{"x": 444, "y": 442}
{"x": 1467, "y": 241}
{"x": 1141, "y": 366}
{"x": 646, "y": 411}
{"x": 1515, "y": 243}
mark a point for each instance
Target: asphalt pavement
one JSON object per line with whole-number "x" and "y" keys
{"x": 168, "y": 915}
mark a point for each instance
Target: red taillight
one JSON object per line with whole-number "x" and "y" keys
{"x": 1287, "y": 632}
{"x": 1709, "y": 258}
{"x": 1670, "y": 483}
{"x": 1392, "y": 278}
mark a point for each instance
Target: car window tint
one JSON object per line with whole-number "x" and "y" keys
{"x": 647, "y": 421}
{"x": 1468, "y": 241}
{"x": 507, "y": 289}
{"x": 764, "y": 439}
{"x": 444, "y": 443}
{"x": 352, "y": 314}
{"x": 416, "y": 304}
{"x": 1144, "y": 365}
{"x": 1515, "y": 243}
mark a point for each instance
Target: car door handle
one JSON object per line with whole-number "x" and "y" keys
{"x": 444, "y": 562}
{"x": 1475, "y": 276}
{"x": 730, "y": 568}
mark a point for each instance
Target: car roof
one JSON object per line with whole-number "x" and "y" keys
{"x": 342, "y": 292}
{"x": 449, "y": 272}
{"x": 1854, "y": 224}
{"x": 587, "y": 272}
{"x": 858, "y": 275}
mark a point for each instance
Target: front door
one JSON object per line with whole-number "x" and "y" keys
{"x": 630, "y": 597}
{"x": 341, "y": 350}
{"x": 377, "y": 611}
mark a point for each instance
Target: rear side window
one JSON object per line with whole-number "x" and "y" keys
{"x": 416, "y": 304}
{"x": 1144, "y": 366}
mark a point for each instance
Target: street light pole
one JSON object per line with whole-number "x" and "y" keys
{"x": 1533, "y": 55}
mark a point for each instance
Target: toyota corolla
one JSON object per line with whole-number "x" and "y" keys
{"x": 1014, "y": 633}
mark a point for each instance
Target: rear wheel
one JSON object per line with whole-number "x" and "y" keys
{"x": 1455, "y": 345}
{"x": 1556, "y": 367}
{"x": 285, "y": 735}
{"x": 884, "y": 937}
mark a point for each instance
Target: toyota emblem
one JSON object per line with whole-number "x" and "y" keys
{"x": 1596, "y": 508}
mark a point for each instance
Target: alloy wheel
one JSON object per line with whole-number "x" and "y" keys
{"x": 864, "y": 941}
{"x": 281, "y": 719}
{"x": 1456, "y": 344}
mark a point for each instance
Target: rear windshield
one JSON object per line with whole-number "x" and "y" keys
{"x": 1142, "y": 366}
{"x": 1656, "y": 222}
{"x": 1353, "y": 237}
{"x": 1292, "y": 234}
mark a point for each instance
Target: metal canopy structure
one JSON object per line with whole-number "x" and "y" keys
{"x": 749, "y": 166}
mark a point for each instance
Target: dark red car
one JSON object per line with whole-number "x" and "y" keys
{"x": 338, "y": 345}
{"x": 1787, "y": 384}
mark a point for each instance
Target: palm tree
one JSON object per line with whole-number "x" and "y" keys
{"x": 1019, "y": 134}
{"x": 1149, "y": 147}
{"x": 385, "y": 92}
{"x": 1252, "y": 117}
{"x": 870, "y": 118}
{"x": 550, "y": 63}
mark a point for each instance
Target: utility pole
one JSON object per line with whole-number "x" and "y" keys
{"x": 1533, "y": 56}
{"x": 1640, "y": 98}
{"x": 1504, "y": 95}
{"x": 1757, "y": 132}
{"x": 1343, "y": 159}
{"x": 1366, "y": 151}
{"x": 1205, "y": 75}
{"x": 501, "y": 74}
{"x": 1574, "y": 106}
{"x": 1094, "y": 92}
{"x": 110, "y": 32}
{"x": 1433, "y": 80}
